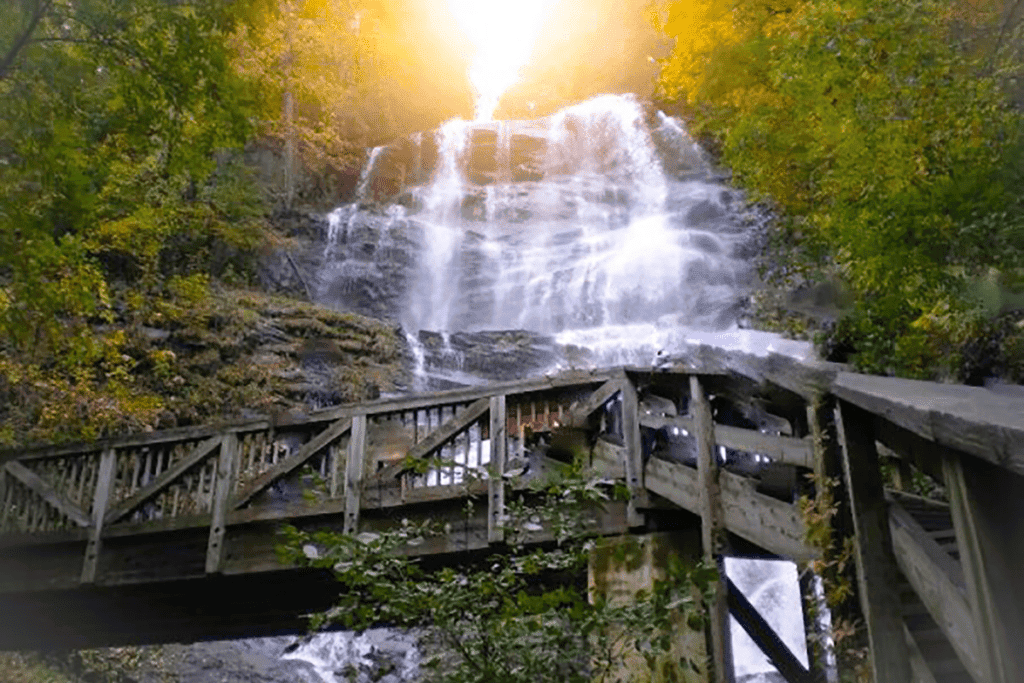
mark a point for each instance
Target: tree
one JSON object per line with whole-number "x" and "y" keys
{"x": 888, "y": 144}
{"x": 115, "y": 184}
{"x": 520, "y": 615}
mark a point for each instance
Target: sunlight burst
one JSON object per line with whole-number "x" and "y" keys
{"x": 503, "y": 34}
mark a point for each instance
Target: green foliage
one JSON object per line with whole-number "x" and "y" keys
{"x": 891, "y": 148}
{"x": 520, "y": 615}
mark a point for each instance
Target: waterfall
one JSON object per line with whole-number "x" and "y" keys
{"x": 601, "y": 233}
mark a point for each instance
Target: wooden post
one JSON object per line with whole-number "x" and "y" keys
{"x": 633, "y": 452}
{"x": 222, "y": 485}
{"x": 987, "y": 506}
{"x": 100, "y": 500}
{"x": 496, "y": 481}
{"x": 354, "y": 473}
{"x": 713, "y": 537}
{"x": 877, "y": 572}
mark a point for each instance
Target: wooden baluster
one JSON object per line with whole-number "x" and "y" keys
{"x": 223, "y": 482}
{"x": 496, "y": 482}
{"x": 877, "y": 571}
{"x": 713, "y": 538}
{"x": 633, "y": 465}
{"x": 100, "y": 501}
{"x": 6, "y": 496}
{"x": 354, "y": 473}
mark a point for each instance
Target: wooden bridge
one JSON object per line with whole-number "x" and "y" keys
{"x": 170, "y": 535}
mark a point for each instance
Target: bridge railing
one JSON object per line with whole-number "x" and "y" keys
{"x": 964, "y": 559}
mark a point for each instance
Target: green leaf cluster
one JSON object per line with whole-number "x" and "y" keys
{"x": 519, "y": 615}
{"x": 888, "y": 143}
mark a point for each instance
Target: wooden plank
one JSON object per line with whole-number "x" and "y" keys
{"x": 785, "y": 449}
{"x": 761, "y": 632}
{"x": 47, "y": 493}
{"x": 496, "y": 480}
{"x": 633, "y": 461}
{"x": 970, "y": 419}
{"x": 579, "y": 415}
{"x": 142, "y": 439}
{"x": 292, "y": 462}
{"x": 161, "y": 482}
{"x": 223, "y": 480}
{"x": 574, "y": 378}
{"x": 354, "y": 473}
{"x": 987, "y": 508}
{"x": 439, "y": 436}
{"x": 767, "y": 522}
{"x": 877, "y": 572}
{"x": 101, "y": 497}
{"x": 937, "y": 580}
{"x": 713, "y": 537}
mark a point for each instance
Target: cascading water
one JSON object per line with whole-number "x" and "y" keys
{"x": 601, "y": 227}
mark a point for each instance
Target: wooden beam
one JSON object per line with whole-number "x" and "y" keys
{"x": 354, "y": 473}
{"x": 438, "y": 437}
{"x": 768, "y": 522}
{"x": 938, "y": 582}
{"x": 47, "y": 493}
{"x": 970, "y": 419}
{"x": 987, "y": 506}
{"x": 496, "y": 480}
{"x": 761, "y": 632}
{"x": 633, "y": 462}
{"x": 100, "y": 498}
{"x": 580, "y": 415}
{"x": 877, "y": 572}
{"x": 764, "y": 521}
{"x": 713, "y": 537}
{"x": 225, "y": 477}
{"x": 292, "y": 462}
{"x": 163, "y": 480}
{"x": 785, "y": 449}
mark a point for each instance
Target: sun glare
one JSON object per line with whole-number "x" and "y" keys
{"x": 503, "y": 34}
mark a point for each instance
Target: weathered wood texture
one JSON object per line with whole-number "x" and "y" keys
{"x": 354, "y": 474}
{"x": 438, "y": 437}
{"x": 877, "y": 572}
{"x": 988, "y": 513}
{"x": 764, "y": 521}
{"x": 974, "y": 420}
{"x": 938, "y": 582}
{"x": 291, "y": 462}
{"x": 226, "y": 465}
{"x": 709, "y": 501}
{"x": 632, "y": 454}
{"x": 496, "y": 481}
{"x": 104, "y": 482}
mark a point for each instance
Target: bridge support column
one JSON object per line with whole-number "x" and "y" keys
{"x": 225, "y": 478}
{"x": 496, "y": 482}
{"x": 713, "y": 536}
{"x": 104, "y": 482}
{"x": 987, "y": 505}
{"x": 877, "y": 571}
{"x": 621, "y": 566}
{"x": 633, "y": 455}
{"x": 354, "y": 473}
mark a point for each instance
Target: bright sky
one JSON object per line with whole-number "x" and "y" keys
{"x": 503, "y": 33}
